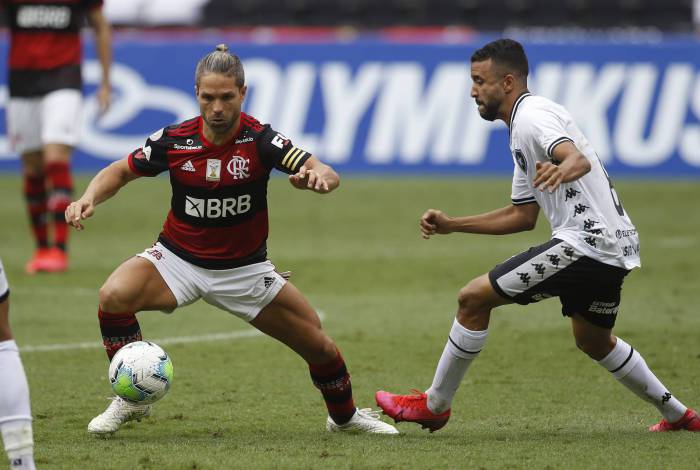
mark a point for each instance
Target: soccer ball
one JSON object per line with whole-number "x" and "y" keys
{"x": 141, "y": 372}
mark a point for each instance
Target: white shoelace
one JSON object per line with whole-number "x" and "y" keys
{"x": 369, "y": 413}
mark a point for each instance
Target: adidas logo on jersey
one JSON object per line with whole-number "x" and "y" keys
{"x": 188, "y": 166}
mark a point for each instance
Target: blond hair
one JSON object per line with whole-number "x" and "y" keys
{"x": 220, "y": 61}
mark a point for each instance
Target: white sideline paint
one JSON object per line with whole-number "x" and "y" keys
{"x": 232, "y": 335}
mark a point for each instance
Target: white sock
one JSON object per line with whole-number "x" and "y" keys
{"x": 462, "y": 347}
{"x": 629, "y": 367}
{"x": 15, "y": 414}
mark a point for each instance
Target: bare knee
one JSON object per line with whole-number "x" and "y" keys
{"x": 114, "y": 299}
{"x": 595, "y": 347}
{"x": 474, "y": 306}
{"x": 322, "y": 351}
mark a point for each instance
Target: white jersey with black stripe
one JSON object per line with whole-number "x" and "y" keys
{"x": 585, "y": 213}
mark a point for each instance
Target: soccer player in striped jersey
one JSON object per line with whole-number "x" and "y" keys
{"x": 15, "y": 412}
{"x": 213, "y": 242}
{"x": 43, "y": 113}
{"x": 593, "y": 247}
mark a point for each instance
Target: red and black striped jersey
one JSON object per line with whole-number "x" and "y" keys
{"x": 218, "y": 214}
{"x": 45, "y": 51}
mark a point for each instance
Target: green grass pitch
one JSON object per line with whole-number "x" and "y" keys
{"x": 531, "y": 400}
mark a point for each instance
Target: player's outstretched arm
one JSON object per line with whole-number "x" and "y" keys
{"x": 103, "y": 43}
{"x": 572, "y": 165}
{"x": 315, "y": 176}
{"x": 509, "y": 219}
{"x": 102, "y": 187}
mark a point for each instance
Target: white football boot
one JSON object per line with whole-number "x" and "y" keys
{"x": 117, "y": 413}
{"x": 364, "y": 420}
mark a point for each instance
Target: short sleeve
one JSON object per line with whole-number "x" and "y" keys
{"x": 152, "y": 158}
{"x": 277, "y": 151}
{"x": 521, "y": 192}
{"x": 544, "y": 129}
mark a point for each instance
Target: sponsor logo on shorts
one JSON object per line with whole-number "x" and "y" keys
{"x": 155, "y": 253}
{"x": 539, "y": 269}
{"x": 268, "y": 281}
{"x": 555, "y": 259}
{"x": 542, "y": 296}
{"x": 525, "y": 278}
{"x": 605, "y": 308}
{"x": 625, "y": 233}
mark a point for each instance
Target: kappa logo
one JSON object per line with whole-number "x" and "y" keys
{"x": 188, "y": 166}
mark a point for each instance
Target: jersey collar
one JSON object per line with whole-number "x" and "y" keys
{"x": 518, "y": 100}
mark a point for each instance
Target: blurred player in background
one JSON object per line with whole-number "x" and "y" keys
{"x": 15, "y": 413}
{"x": 43, "y": 114}
{"x": 213, "y": 243}
{"x": 593, "y": 247}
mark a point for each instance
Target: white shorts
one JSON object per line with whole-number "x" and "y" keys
{"x": 50, "y": 119}
{"x": 4, "y": 286}
{"x": 241, "y": 291}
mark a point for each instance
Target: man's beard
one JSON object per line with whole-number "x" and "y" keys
{"x": 221, "y": 126}
{"x": 490, "y": 112}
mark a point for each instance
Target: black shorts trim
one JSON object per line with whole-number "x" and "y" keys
{"x": 585, "y": 286}
{"x": 4, "y": 296}
{"x": 520, "y": 258}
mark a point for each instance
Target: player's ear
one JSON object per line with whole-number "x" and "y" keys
{"x": 196, "y": 90}
{"x": 244, "y": 90}
{"x": 508, "y": 83}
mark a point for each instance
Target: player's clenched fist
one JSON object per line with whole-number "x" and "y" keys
{"x": 77, "y": 211}
{"x": 434, "y": 221}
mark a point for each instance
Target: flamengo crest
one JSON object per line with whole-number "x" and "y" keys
{"x": 238, "y": 167}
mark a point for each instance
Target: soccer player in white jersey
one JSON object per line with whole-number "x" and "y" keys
{"x": 15, "y": 413}
{"x": 593, "y": 247}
